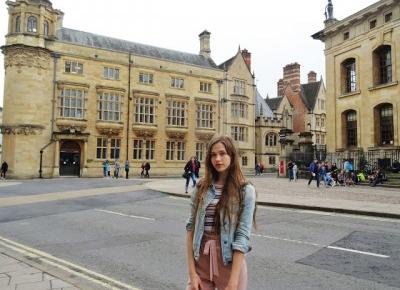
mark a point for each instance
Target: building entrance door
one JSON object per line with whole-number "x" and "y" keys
{"x": 70, "y": 157}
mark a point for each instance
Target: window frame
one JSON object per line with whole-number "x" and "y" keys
{"x": 351, "y": 129}
{"x": 32, "y": 24}
{"x": 102, "y": 148}
{"x": 205, "y": 116}
{"x": 109, "y": 104}
{"x": 115, "y": 149}
{"x": 145, "y": 110}
{"x": 73, "y": 67}
{"x": 205, "y": 87}
{"x": 349, "y": 75}
{"x": 176, "y": 113}
{"x": 146, "y": 78}
{"x": 68, "y": 103}
{"x": 177, "y": 83}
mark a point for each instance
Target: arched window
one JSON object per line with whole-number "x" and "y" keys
{"x": 349, "y": 78}
{"x": 350, "y": 128}
{"x": 32, "y": 24}
{"x": 271, "y": 139}
{"x": 46, "y": 28}
{"x": 18, "y": 24}
{"x": 384, "y": 124}
{"x": 382, "y": 65}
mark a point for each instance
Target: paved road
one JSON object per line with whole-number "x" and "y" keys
{"x": 136, "y": 236}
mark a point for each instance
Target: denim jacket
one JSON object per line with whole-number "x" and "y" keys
{"x": 234, "y": 236}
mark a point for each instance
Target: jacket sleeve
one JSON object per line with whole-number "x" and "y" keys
{"x": 245, "y": 223}
{"x": 192, "y": 214}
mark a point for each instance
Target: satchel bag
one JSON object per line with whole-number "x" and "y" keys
{"x": 185, "y": 175}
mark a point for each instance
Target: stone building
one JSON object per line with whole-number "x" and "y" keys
{"x": 273, "y": 116}
{"x": 308, "y": 102}
{"x": 1, "y": 136}
{"x": 74, "y": 99}
{"x": 238, "y": 102}
{"x": 362, "y": 78}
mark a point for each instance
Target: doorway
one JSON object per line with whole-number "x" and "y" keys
{"x": 70, "y": 157}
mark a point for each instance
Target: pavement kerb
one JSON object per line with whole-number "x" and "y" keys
{"x": 298, "y": 206}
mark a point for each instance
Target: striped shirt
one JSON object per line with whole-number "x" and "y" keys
{"x": 209, "y": 226}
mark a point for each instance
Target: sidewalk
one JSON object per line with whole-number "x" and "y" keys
{"x": 17, "y": 275}
{"x": 273, "y": 191}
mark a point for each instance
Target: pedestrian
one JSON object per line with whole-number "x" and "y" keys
{"x": 314, "y": 172}
{"x": 198, "y": 165}
{"x": 142, "y": 166}
{"x": 116, "y": 169}
{"x": 290, "y": 170}
{"x": 147, "y": 169}
{"x": 190, "y": 172}
{"x": 294, "y": 170}
{"x": 126, "y": 169}
{"x": 104, "y": 168}
{"x": 262, "y": 167}
{"x": 322, "y": 172}
{"x": 257, "y": 169}
{"x": 108, "y": 168}
{"x": 4, "y": 169}
{"x": 223, "y": 207}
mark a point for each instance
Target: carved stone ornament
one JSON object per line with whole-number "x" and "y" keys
{"x": 22, "y": 129}
{"x": 204, "y": 136}
{"x": 71, "y": 126}
{"x": 26, "y": 56}
{"x": 176, "y": 133}
{"x": 144, "y": 131}
{"x": 109, "y": 128}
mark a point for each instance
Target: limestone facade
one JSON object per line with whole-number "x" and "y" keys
{"x": 74, "y": 99}
{"x": 362, "y": 79}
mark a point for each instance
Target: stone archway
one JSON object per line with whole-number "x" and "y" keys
{"x": 70, "y": 157}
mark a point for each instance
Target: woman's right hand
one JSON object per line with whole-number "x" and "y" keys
{"x": 195, "y": 282}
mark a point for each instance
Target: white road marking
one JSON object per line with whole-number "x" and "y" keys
{"x": 358, "y": 252}
{"x": 125, "y": 215}
{"x": 333, "y": 214}
{"x": 74, "y": 269}
{"x": 322, "y": 246}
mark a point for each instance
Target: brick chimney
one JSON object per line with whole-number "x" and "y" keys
{"x": 280, "y": 88}
{"x": 247, "y": 58}
{"x": 205, "y": 44}
{"x": 312, "y": 77}
{"x": 291, "y": 75}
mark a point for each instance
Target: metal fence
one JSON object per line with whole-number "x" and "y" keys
{"x": 382, "y": 159}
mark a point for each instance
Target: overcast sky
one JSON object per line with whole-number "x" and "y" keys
{"x": 275, "y": 32}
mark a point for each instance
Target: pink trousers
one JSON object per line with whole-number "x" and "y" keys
{"x": 211, "y": 269}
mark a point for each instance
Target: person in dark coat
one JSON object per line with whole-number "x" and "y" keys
{"x": 314, "y": 172}
{"x": 198, "y": 165}
{"x": 4, "y": 169}
{"x": 127, "y": 169}
{"x": 147, "y": 169}
{"x": 190, "y": 172}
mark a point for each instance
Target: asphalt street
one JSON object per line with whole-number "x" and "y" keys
{"x": 138, "y": 237}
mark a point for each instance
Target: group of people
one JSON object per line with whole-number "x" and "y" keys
{"x": 331, "y": 175}
{"x": 116, "y": 169}
{"x": 292, "y": 170}
{"x": 259, "y": 169}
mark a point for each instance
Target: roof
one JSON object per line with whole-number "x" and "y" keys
{"x": 227, "y": 64}
{"x": 262, "y": 108}
{"x": 105, "y": 42}
{"x": 309, "y": 93}
{"x": 274, "y": 102}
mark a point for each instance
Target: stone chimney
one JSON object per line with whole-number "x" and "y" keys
{"x": 312, "y": 77}
{"x": 291, "y": 75}
{"x": 205, "y": 44}
{"x": 247, "y": 58}
{"x": 280, "y": 88}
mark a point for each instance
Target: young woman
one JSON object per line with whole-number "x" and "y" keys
{"x": 220, "y": 221}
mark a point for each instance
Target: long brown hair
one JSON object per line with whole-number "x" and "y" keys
{"x": 233, "y": 190}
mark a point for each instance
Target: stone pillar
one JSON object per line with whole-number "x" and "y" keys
{"x": 56, "y": 165}
{"x": 84, "y": 168}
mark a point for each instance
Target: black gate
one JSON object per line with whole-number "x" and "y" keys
{"x": 70, "y": 156}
